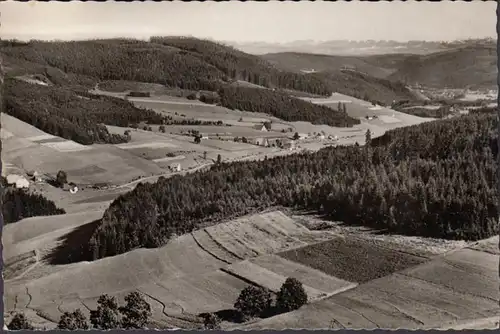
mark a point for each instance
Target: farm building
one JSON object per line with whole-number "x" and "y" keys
{"x": 303, "y": 136}
{"x": 34, "y": 176}
{"x": 260, "y": 127}
{"x": 259, "y": 141}
{"x": 288, "y": 144}
{"x": 175, "y": 167}
{"x": 18, "y": 181}
{"x": 333, "y": 137}
{"x": 71, "y": 187}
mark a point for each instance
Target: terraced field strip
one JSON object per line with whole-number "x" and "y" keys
{"x": 307, "y": 275}
{"x": 266, "y": 278}
{"x": 194, "y": 294}
{"x": 352, "y": 259}
{"x": 257, "y": 235}
{"x": 457, "y": 287}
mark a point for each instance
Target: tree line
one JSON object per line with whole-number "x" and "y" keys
{"x": 193, "y": 64}
{"x": 436, "y": 179}
{"x": 253, "y": 301}
{"x": 135, "y": 314}
{"x": 79, "y": 116}
{"x": 282, "y": 106}
{"x": 19, "y": 204}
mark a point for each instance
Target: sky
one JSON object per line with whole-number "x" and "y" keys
{"x": 273, "y": 22}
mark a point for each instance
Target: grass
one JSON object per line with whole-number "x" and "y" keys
{"x": 448, "y": 289}
{"x": 352, "y": 260}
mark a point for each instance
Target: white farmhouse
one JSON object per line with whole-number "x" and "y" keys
{"x": 175, "y": 167}
{"x": 18, "y": 181}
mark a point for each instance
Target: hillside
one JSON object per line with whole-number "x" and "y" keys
{"x": 471, "y": 66}
{"x": 380, "y": 66}
{"x": 425, "y": 193}
{"x": 62, "y": 112}
{"x": 283, "y": 106}
{"x": 365, "y": 87}
{"x": 19, "y": 204}
{"x": 175, "y": 62}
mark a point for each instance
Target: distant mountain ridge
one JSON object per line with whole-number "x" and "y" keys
{"x": 359, "y": 48}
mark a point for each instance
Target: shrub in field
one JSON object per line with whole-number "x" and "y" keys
{"x": 291, "y": 295}
{"x": 73, "y": 321}
{"x": 107, "y": 315}
{"x": 211, "y": 321}
{"x": 61, "y": 178}
{"x": 19, "y": 322}
{"x": 253, "y": 301}
{"x": 136, "y": 312}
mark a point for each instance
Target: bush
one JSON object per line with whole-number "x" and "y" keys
{"x": 211, "y": 321}
{"x": 61, "y": 178}
{"x": 136, "y": 312}
{"x": 73, "y": 321}
{"x": 291, "y": 295}
{"x": 106, "y": 316}
{"x": 253, "y": 301}
{"x": 19, "y": 322}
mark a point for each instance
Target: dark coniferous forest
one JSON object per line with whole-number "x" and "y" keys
{"x": 64, "y": 113}
{"x": 18, "y": 204}
{"x": 435, "y": 179}
{"x": 282, "y": 106}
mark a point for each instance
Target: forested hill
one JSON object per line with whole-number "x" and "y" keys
{"x": 183, "y": 62}
{"x": 473, "y": 66}
{"x": 435, "y": 179}
{"x": 78, "y": 116}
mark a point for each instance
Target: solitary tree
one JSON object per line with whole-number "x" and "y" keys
{"x": 253, "y": 301}
{"x": 61, "y": 178}
{"x": 296, "y": 136}
{"x": 197, "y": 139}
{"x": 368, "y": 137}
{"x": 73, "y": 321}
{"x": 291, "y": 295}
{"x": 18, "y": 322}
{"x": 205, "y": 155}
{"x": 162, "y": 128}
{"x": 244, "y": 140}
{"x": 106, "y": 316}
{"x": 136, "y": 312}
{"x": 219, "y": 159}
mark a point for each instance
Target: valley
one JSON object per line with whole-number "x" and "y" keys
{"x": 206, "y": 170}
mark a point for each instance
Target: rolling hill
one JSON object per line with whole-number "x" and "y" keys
{"x": 177, "y": 62}
{"x": 470, "y": 66}
{"x": 378, "y": 66}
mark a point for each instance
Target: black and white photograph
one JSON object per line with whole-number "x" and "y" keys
{"x": 249, "y": 165}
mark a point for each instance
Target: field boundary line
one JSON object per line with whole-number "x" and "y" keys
{"x": 222, "y": 246}
{"x": 206, "y": 250}
{"x": 244, "y": 279}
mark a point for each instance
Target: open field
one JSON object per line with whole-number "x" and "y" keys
{"x": 307, "y": 275}
{"x": 204, "y": 272}
{"x": 188, "y": 263}
{"x": 93, "y": 164}
{"x": 457, "y": 287}
{"x": 272, "y": 280}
